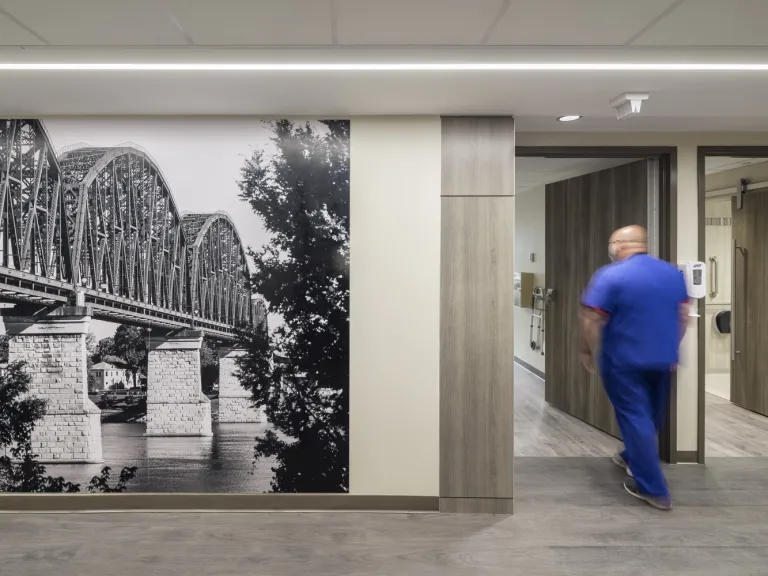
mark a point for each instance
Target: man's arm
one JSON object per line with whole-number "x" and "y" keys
{"x": 683, "y": 317}
{"x": 592, "y": 322}
{"x": 597, "y": 305}
{"x": 685, "y": 308}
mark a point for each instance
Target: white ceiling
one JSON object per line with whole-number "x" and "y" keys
{"x": 335, "y": 31}
{"x": 383, "y": 22}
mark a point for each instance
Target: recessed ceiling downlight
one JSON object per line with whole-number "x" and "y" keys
{"x": 569, "y": 118}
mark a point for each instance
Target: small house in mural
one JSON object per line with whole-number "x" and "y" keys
{"x": 106, "y": 376}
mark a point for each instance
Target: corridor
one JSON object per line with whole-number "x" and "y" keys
{"x": 572, "y": 518}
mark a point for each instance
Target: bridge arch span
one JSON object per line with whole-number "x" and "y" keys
{"x": 31, "y": 216}
{"x": 219, "y": 278}
{"x": 103, "y": 221}
{"x": 127, "y": 239}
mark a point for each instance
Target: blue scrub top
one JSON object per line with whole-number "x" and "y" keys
{"x": 641, "y": 296}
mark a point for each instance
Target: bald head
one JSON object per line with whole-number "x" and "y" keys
{"x": 628, "y": 241}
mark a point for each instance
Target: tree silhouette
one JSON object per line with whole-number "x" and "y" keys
{"x": 104, "y": 349}
{"x": 90, "y": 349}
{"x": 209, "y": 365}
{"x": 4, "y": 348}
{"x": 19, "y": 469}
{"x": 300, "y": 373}
{"x": 130, "y": 346}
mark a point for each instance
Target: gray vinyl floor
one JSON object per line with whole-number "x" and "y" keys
{"x": 573, "y": 518}
{"x": 541, "y": 430}
{"x": 733, "y": 431}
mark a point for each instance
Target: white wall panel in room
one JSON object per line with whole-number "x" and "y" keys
{"x": 395, "y": 306}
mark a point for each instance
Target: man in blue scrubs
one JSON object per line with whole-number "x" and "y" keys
{"x": 637, "y": 309}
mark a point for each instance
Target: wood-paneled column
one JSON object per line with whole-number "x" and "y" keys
{"x": 476, "y": 315}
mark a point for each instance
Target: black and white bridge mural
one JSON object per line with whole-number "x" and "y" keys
{"x": 103, "y": 221}
{"x": 96, "y": 233}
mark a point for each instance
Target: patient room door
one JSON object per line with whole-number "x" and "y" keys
{"x": 749, "y": 317}
{"x": 581, "y": 214}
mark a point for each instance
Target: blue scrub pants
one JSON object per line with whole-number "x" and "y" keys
{"x": 640, "y": 398}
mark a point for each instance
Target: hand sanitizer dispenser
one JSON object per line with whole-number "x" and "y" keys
{"x": 695, "y": 280}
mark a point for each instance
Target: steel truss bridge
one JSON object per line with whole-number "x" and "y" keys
{"x": 102, "y": 222}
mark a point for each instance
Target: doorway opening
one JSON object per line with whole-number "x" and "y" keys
{"x": 734, "y": 408}
{"x": 567, "y": 203}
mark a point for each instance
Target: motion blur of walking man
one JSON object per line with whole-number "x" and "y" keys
{"x": 639, "y": 305}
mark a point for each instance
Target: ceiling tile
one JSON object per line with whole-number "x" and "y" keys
{"x": 97, "y": 22}
{"x": 575, "y": 23}
{"x": 11, "y": 34}
{"x": 255, "y": 23}
{"x": 711, "y": 23}
{"x": 414, "y": 22}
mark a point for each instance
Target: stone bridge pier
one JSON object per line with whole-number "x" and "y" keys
{"x": 176, "y": 405}
{"x": 52, "y": 344}
{"x": 235, "y": 405}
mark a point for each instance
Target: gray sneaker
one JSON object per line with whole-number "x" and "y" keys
{"x": 659, "y": 502}
{"x": 621, "y": 463}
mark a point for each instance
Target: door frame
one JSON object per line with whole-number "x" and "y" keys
{"x": 667, "y": 233}
{"x": 702, "y": 152}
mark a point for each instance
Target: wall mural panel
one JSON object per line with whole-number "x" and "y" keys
{"x": 214, "y": 258}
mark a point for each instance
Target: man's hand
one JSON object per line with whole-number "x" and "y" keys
{"x": 586, "y": 360}
{"x": 592, "y": 322}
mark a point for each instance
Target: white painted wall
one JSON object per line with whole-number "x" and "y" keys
{"x": 529, "y": 238}
{"x": 395, "y": 305}
{"x": 688, "y": 249}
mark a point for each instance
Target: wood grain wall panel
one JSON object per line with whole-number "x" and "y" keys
{"x": 477, "y": 348}
{"x": 580, "y": 215}
{"x": 749, "y": 302}
{"x": 476, "y": 314}
{"x": 478, "y": 156}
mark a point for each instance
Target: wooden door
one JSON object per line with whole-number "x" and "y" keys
{"x": 581, "y": 214}
{"x": 749, "y": 301}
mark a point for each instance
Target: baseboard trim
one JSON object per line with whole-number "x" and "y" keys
{"x": 531, "y": 369}
{"x": 214, "y": 502}
{"x": 477, "y": 506}
{"x": 687, "y": 457}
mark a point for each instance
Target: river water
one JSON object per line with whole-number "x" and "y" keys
{"x": 222, "y": 463}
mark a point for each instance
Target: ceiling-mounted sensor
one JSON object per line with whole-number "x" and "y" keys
{"x": 628, "y": 104}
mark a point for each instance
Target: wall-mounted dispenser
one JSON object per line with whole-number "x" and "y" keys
{"x": 722, "y": 322}
{"x": 695, "y": 279}
{"x": 695, "y": 282}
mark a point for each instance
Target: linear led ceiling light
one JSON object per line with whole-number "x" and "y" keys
{"x": 383, "y": 67}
